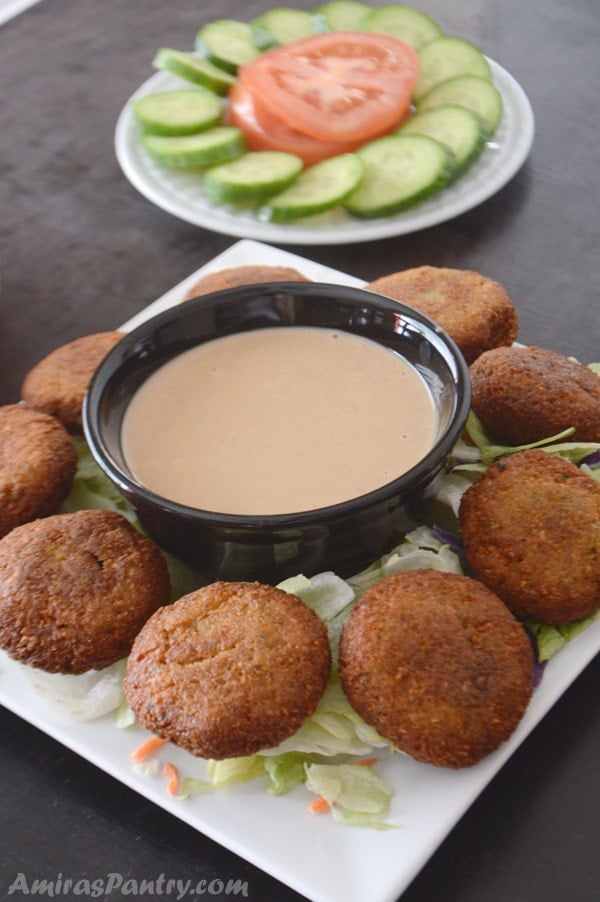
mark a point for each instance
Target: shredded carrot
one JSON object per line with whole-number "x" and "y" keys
{"x": 319, "y": 805}
{"x": 368, "y": 762}
{"x": 172, "y": 774}
{"x": 147, "y": 747}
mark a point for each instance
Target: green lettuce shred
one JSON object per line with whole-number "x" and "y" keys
{"x": 234, "y": 770}
{"x": 322, "y": 755}
{"x": 334, "y": 729}
{"x": 488, "y": 452}
{"x": 93, "y": 489}
{"x": 421, "y": 549}
{"x": 286, "y": 771}
{"x": 550, "y": 639}
{"x": 355, "y": 794}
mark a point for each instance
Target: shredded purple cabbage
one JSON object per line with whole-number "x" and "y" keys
{"x": 593, "y": 459}
{"x": 538, "y": 666}
{"x": 448, "y": 538}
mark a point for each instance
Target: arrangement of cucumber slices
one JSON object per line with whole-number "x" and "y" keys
{"x": 456, "y": 109}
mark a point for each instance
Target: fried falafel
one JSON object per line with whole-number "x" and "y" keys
{"x": 524, "y": 394}
{"x": 58, "y": 383}
{"x": 475, "y": 311}
{"x": 530, "y": 527}
{"x": 229, "y": 670}
{"x": 243, "y": 275}
{"x": 75, "y": 589}
{"x": 438, "y": 665}
{"x": 37, "y": 465}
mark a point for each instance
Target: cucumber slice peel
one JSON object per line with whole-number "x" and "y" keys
{"x": 227, "y": 44}
{"x": 252, "y": 177}
{"x": 281, "y": 26}
{"x": 320, "y": 187}
{"x": 193, "y": 68}
{"x": 471, "y": 91}
{"x": 178, "y": 112}
{"x": 404, "y": 22}
{"x": 454, "y": 112}
{"x": 209, "y": 148}
{"x": 341, "y": 15}
{"x": 400, "y": 171}
{"x": 460, "y": 129}
{"x": 445, "y": 58}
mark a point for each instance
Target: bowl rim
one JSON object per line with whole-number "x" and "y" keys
{"x": 396, "y": 487}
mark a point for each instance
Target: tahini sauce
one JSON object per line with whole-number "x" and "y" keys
{"x": 278, "y": 420}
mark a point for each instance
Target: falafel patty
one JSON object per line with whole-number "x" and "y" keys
{"x": 229, "y": 670}
{"x": 438, "y": 665}
{"x": 243, "y": 275}
{"x": 475, "y": 311}
{"x": 75, "y": 589}
{"x": 58, "y": 383}
{"x": 530, "y": 526}
{"x": 37, "y": 465}
{"x": 525, "y": 394}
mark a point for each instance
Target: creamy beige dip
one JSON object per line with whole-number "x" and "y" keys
{"x": 278, "y": 420}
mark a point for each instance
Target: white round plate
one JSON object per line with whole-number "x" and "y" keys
{"x": 179, "y": 192}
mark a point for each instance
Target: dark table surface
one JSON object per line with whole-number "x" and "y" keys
{"x": 81, "y": 251}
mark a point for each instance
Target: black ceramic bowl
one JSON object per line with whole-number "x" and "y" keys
{"x": 343, "y": 537}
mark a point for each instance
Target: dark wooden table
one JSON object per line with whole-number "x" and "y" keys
{"x": 82, "y": 251}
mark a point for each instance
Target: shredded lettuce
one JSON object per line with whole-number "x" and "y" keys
{"x": 322, "y": 755}
{"x": 85, "y": 696}
{"x": 93, "y": 489}
{"x": 334, "y": 729}
{"x": 286, "y": 771}
{"x": 475, "y": 461}
{"x": 234, "y": 770}
{"x": 550, "y": 639}
{"x": 149, "y": 768}
{"x": 329, "y": 596}
{"x": 421, "y": 549}
{"x": 355, "y": 794}
{"x": 124, "y": 716}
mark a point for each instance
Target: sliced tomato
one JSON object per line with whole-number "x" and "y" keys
{"x": 264, "y": 131}
{"x": 339, "y": 86}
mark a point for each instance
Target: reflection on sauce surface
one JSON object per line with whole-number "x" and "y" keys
{"x": 278, "y": 420}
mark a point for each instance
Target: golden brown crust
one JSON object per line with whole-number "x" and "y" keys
{"x": 438, "y": 665}
{"x": 37, "y": 465}
{"x": 243, "y": 275}
{"x": 75, "y": 589}
{"x": 474, "y": 310}
{"x": 522, "y": 395}
{"x": 58, "y": 383}
{"x": 531, "y": 530}
{"x": 229, "y": 670}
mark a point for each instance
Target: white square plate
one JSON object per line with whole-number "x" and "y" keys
{"x": 322, "y": 860}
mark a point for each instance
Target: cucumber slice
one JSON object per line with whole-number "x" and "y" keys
{"x": 341, "y": 15}
{"x": 404, "y": 22}
{"x": 251, "y": 177}
{"x": 194, "y": 68}
{"x": 460, "y": 129}
{"x": 216, "y": 145}
{"x": 227, "y": 43}
{"x": 400, "y": 171}
{"x": 281, "y": 26}
{"x": 446, "y": 57}
{"x": 318, "y": 188}
{"x": 471, "y": 91}
{"x": 180, "y": 112}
